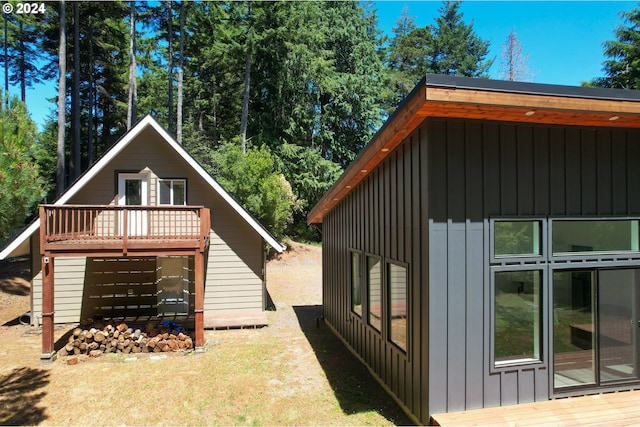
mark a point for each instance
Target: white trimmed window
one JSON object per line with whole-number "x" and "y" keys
{"x": 172, "y": 192}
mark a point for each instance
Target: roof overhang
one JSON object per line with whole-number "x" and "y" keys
{"x": 481, "y": 99}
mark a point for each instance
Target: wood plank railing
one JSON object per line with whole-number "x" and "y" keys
{"x": 86, "y": 223}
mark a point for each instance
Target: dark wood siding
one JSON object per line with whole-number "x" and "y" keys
{"x": 480, "y": 170}
{"x": 428, "y": 205}
{"x": 385, "y": 216}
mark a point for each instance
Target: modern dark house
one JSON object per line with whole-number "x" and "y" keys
{"x": 483, "y": 249}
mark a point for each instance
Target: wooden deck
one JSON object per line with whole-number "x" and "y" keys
{"x": 236, "y": 320}
{"x": 612, "y": 409}
{"x": 111, "y": 230}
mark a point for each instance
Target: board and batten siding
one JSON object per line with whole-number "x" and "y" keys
{"x": 428, "y": 205}
{"x": 384, "y": 216}
{"x": 479, "y": 170}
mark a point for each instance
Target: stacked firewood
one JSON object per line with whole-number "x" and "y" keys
{"x": 125, "y": 340}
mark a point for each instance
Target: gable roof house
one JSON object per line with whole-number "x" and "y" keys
{"x": 483, "y": 249}
{"x": 145, "y": 232}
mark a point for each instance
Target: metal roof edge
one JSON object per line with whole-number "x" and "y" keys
{"x": 530, "y": 88}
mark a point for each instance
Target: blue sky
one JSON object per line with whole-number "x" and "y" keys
{"x": 563, "y": 39}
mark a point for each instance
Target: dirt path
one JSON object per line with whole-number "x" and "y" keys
{"x": 289, "y": 373}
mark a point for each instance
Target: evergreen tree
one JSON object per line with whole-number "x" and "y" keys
{"x": 622, "y": 69}
{"x": 20, "y": 185}
{"x": 21, "y": 48}
{"x": 406, "y": 58}
{"x": 61, "y": 167}
{"x": 450, "y": 46}
{"x": 455, "y": 48}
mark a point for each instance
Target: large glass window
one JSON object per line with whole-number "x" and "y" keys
{"x": 517, "y": 316}
{"x": 398, "y": 303}
{"x": 594, "y": 236}
{"x": 172, "y": 192}
{"x": 517, "y": 238}
{"x": 374, "y": 291}
{"x": 356, "y": 283}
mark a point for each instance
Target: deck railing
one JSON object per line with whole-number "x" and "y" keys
{"x": 84, "y": 223}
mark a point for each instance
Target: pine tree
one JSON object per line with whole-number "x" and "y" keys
{"x": 133, "y": 89}
{"x": 449, "y": 46}
{"x": 514, "y": 64}
{"x": 21, "y": 52}
{"x": 20, "y": 185}
{"x": 62, "y": 93}
{"x": 455, "y": 48}
{"x": 622, "y": 69}
{"x": 407, "y": 50}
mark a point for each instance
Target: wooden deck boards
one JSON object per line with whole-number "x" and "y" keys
{"x": 619, "y": 409}
{"x": 235, "y": 320}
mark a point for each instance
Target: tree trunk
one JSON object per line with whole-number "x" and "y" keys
{"x": 6, "y": 60}
{"x": 180, "y": 75}
{"x": 76, "y": 167}
{"x": 245, "y": 101}
{"x": 170, "y": 71}
{"x": 133, "y": 90}
{"x": 23, "y": 75}
{"x": 247, "y": 84}
{"x": 92, "y": 99}
{"x": 62, "y": 89}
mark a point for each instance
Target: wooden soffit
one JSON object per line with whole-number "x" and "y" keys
{"x": 468, "y": 103}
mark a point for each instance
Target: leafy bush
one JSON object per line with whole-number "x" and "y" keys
{"x": 254, "y": 181}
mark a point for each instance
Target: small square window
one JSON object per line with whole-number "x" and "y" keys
{"x": 172, "y": 192}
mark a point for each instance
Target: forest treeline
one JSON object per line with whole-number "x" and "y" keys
{"x": 274, "y": 99}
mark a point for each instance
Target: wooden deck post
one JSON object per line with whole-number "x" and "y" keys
{"x": 199, "y": 303}
{"x": 48, "y": 352}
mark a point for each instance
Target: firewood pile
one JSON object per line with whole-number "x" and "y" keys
{"x": 125, "y": 340}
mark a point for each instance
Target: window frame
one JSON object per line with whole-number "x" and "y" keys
{"x": 171, "y": 181}
{"x": 388, "y": 316}
{"x": 353, "y": 252}
{"x": 498, "y": 366}
{"x": 503, "y": 259}
{"x": 368, "y": 292}
{"x": 587, "y": 255}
